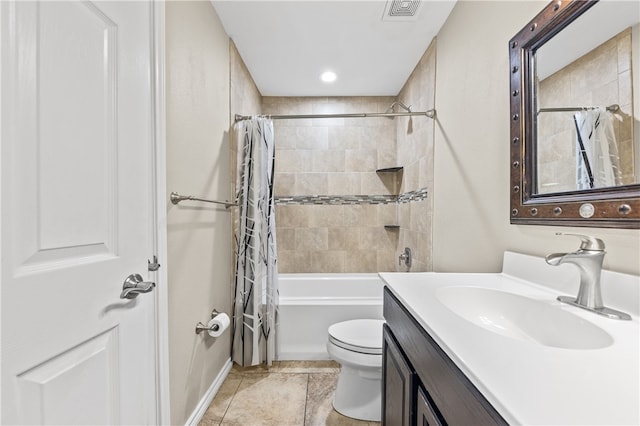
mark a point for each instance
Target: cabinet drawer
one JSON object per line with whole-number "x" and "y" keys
{"x": 457, "y": 399}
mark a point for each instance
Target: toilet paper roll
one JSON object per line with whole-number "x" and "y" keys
{"x": 218, "y": 325}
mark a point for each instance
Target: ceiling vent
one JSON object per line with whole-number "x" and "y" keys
{"x": 401, "y": 10}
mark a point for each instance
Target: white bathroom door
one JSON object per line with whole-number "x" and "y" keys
{"x": 76, "y": 205}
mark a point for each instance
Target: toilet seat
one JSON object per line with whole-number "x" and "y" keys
{"x": 362, "y": 336}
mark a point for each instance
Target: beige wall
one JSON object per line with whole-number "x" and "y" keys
{"x": 199, "y": 243}
{"x": 471, "y": 202}
{"x": 414, "y": 139}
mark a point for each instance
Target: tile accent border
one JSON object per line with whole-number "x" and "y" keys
{"x": 335, "y": 200}
{"x": 338, "y": 200}
{"x": 418, "y": 195}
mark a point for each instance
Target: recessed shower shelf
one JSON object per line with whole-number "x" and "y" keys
{"x": 392, "y": 227}
{"x": 390, "y": 169}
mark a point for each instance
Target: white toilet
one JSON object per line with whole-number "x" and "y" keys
{"x": 357, "y": 346}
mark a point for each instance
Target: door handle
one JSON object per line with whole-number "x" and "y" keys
{"x": 134, "y": 285}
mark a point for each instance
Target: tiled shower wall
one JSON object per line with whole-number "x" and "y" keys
{"x": 245, "y": 99}
{"x": 576, "y": 85}
{"x": 415, "y": 148}
{"x": 334, "y": 157}
{"x": 338, "y": 159}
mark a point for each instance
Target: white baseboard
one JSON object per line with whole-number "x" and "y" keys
{"x": 208, "y": 396}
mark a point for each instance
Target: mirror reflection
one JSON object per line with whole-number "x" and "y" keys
{"x": 587, "y": 129}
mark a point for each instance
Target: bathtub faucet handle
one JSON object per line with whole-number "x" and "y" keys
{"x": 405, "y": 257}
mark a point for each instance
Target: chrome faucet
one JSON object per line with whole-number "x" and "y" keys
{"x": 588, "y": 258}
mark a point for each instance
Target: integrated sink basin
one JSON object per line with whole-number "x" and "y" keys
{"x": 523, "y": 318}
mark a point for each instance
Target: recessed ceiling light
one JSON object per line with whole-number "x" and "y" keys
{"x": 328, "y": 76}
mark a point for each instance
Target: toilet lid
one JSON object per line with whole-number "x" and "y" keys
{"x": 361, "y": 335}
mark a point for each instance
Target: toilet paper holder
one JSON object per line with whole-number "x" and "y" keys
{"x": 200, "y": 327}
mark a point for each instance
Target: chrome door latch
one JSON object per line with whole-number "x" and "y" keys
{"x": 153, "y": 266}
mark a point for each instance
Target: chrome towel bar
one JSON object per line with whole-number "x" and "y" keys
{"x": 176, "y": 198}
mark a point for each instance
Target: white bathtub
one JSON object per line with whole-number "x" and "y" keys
{"x": 310, "y": 303}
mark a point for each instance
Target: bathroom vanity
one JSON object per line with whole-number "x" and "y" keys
{"x": 500, "y": 349}
{"x": 420, "y": 380}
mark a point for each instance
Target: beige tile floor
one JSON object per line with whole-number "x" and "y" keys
{"x": 290, "y": 393}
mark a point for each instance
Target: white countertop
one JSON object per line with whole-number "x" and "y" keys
{"x": 528, "y": 383}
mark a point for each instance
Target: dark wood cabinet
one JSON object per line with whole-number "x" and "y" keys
{"x": 421, "y": 385}
{"x": 426, "y": 413}
{"x": 397, "y": 383}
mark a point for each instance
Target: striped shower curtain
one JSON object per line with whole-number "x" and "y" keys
{"x": 597, "y": 158}
{"x": 256, "y": 273}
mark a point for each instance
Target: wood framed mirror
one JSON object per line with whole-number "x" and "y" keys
{"x": 575, "y": 137}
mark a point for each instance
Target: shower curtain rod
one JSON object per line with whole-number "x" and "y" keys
{"x": 430, "y": 113}
{"x": 610, "y": 108}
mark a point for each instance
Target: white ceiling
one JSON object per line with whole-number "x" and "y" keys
{"x": 286, "y": 45}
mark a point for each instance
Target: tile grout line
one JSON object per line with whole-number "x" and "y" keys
{"x": 306, "y": 398}
{"x": 235, "y": 392}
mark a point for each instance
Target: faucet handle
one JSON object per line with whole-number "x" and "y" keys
{"x": 588, "y": 242}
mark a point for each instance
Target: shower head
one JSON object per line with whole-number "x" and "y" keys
{"x": 400, "y": 104}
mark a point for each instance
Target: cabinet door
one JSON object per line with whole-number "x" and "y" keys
{"x": 425, "y": 412}
{"x": 397, "y": 384}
